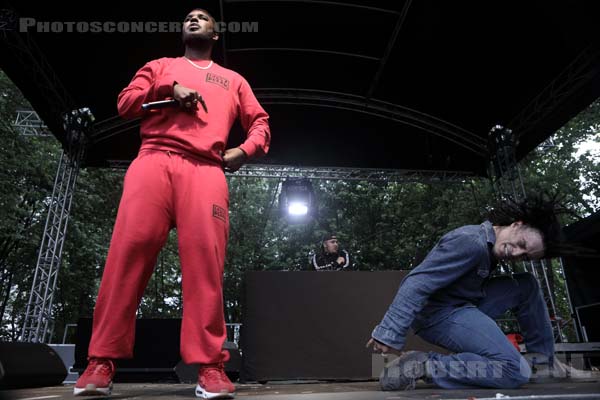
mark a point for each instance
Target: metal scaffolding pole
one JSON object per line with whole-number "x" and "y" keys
{"x": 351, "y": 174}
{"x": 571, "y": 309}
{"x": 29, "y": 123}
{"x": 272, "y": 171}
{"x": 38, "y": 325}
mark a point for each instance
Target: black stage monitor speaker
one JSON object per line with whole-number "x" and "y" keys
{"x": 155, "y": 354}
{"x": 29, "y": 365}
{"x": 590, "y": 327}
{"x": 588, "y": 320}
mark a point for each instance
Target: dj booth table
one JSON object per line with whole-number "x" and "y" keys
{"x": 314, "y": 325}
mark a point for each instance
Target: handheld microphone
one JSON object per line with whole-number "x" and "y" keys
{"x": 153, "y": 105}
{"x": 160, "y": 104}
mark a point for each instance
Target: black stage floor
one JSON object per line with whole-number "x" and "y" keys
{"x": 323, "y": 391}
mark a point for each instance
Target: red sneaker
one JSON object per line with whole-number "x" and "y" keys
{"x": 96, "y": 379}
{"x": 213, "y": 383}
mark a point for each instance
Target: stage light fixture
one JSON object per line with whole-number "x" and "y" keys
{"x": 297, "y": 199}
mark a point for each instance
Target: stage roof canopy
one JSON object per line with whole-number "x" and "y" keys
{"x": 359, "y": 83}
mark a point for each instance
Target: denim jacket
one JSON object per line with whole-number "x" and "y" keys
{"x": 452, "y": 276}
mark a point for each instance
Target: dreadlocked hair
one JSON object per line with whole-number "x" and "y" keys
{"x": 540, "y": 212}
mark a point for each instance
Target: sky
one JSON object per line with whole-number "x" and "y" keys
{"x": 592, "y": 145}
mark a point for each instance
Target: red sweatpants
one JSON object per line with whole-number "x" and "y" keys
{"x": 164, "y": 190}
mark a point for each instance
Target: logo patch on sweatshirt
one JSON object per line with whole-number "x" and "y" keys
{"x": 219, "y": 212}
{"x": 218, "y": 80}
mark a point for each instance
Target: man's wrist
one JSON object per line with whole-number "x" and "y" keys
{"x": 245, "y": 154}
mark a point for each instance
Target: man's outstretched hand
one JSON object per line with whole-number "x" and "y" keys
{"x": 381, "y": 348}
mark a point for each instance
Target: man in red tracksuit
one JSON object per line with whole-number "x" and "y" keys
{"x": 177, "y": 180}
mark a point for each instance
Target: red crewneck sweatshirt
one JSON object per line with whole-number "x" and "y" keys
{"x": 199, "y": 134}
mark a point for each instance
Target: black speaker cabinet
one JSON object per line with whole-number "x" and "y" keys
{"x": 29, "y": 365}
{"x": 155, "y": 354}
{"x": 589, "y": 322}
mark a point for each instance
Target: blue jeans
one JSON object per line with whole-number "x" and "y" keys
{"x": 483, "y": 356}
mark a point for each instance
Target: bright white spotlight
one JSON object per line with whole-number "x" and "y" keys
{"x": 297, "y": 201}
{"x": 296, "y": 208}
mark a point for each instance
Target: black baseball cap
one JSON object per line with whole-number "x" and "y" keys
{"x": 329, "y": 236}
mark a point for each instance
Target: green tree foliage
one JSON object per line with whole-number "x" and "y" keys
{"x": 26, "y": 183}
{"x": 555, "y": 168}
{"x": 89, "y": 231}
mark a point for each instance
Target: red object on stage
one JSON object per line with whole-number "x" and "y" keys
{"x": 515, "y": 339}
